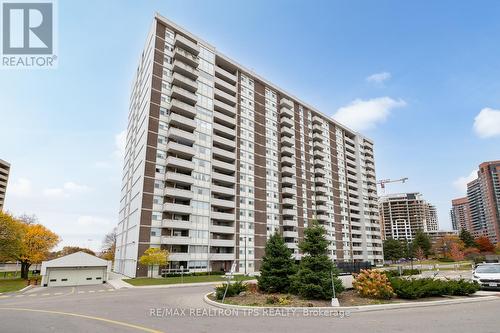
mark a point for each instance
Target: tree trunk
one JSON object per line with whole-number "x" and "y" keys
{"x": 25, "y": 268}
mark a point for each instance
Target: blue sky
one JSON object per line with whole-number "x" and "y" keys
{"x": 412, "y": 75}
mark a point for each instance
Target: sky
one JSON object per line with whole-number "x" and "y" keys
{"x": 420, "y": 78}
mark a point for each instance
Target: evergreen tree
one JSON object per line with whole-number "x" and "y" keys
{"x": 277, "y": 266}
{"x": 422, "y": 241}
{"x": 467, "y": 238}
{"x": 313, "y": 279}
{"x": 393, "y": 249}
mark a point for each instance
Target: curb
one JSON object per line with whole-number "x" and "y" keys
{"x": 181, "y": 285}
{"x": 361, "y": 308}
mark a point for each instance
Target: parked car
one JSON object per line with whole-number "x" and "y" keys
{"x": 487, "y": 275}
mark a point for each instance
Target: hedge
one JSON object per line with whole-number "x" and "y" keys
{"x": 429, "y": 287}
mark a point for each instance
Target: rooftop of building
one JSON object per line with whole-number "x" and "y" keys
{"x": 237, "y": 65}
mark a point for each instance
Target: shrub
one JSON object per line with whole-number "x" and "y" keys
{"x": 233, "y": 289}
{"x": 446, "y": 260}
{"x": 406, "y": 272}
{"x": 373, "y": 284}
{"x": 277, "y": 267}
{"x": 429, "y": 287}
{"x": 273, "y": 299}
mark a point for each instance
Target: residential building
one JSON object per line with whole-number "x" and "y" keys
{"x": 218, "y": 158}
{"x": 460, "y": 214}
{"x": 4, "y": 178}
{"x": 483, "y": 197}
{"x": 401, "y": 215}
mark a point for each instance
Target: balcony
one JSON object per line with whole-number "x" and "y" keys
{"x": 223, "y": 178}
{"x": 288, "y": 181}
{"x": 179, "y": 178}
{"x": 317, "y": 129}
{"x": 227, "y": 87}
{"x": 224, "y": 120}
{"x": 223, "y": 154}
{"x": 186, "y": 98}
{"x": 290, "y": 234}
{"x": 321, "y": 208}
{"x": 287, "y": 161}
{"x": 222, "y": 256}
{"x": 226, "y": 143}
{"x": 221, "y": 229}
{"x": 322, "y": 217}
{"x": 223, "y": 203}
{"x": 225, "y": 75}
{"x": 288, "y": 191}
{"x": 289, "y": 212}
{"x": 178, "y": 193}
{"x": 186, "y": 70}
{"x": 319, "y": 172}
{"x": 179, "y": 256}
{"x": 317, "y": 120}
{"x": 186, "y": 44}
{"x": 290, "y": 223}
{"x": 287, "y": 151}
{"x": 320, "y": 180}
{"x": 224, "y": 131}
{"x": 287, "y": 141}
{"x": 184, "y": 82}
{"x": 287, "y": 171}
{"x": 177, "y": 208}
{"x": 320, "y": 189}
{"x": 223, "y": 190}
{"x": 287, "y": 131}
{"x": 288, "y": 122}
{"x": 223, "y": 216}
{"x": 186, "y": 57}
{"x": 180, "y": 149}
{"x": 321, "y": 198}
{"x": 224, "y": 97}
{"x": 223, "y": 165}
{"x": 177, "y": 224}
{"x": 175, "y": 240}
{"x": 224, "y": 108}
{"x": 318, "y": 137}
{"x": 284, "y": 102}
{"x": 286, "y": 112}
{"x": 180, "y": 135}
{"x": 222, "y": 242}
{"x": 181, "y": 121}
{"x": 289, "y": 201}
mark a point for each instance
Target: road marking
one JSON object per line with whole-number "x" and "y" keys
{"x": 47, "y": 294}
{"x": 4, "y": 296}
{"x": 81, "y": 292}
{"x": 58, "y": 293}
{"x": 91, "y": 291}
{"x": 19, "y": 296}
{"x": 111, "y": 290}
{"x": 115, "y": 322}
{"x": 32, "y": 295}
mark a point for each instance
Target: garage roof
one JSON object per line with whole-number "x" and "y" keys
{"x": 76, "y": 259}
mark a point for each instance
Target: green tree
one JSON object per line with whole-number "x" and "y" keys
{"x": 422, "y": 241}
{"x": 467, "y": 238}
{"x": 313, "y": 278}
{"x": 277, "y": 266}
{"x": 393, "y": 249}
{"x": 153, "y": 257}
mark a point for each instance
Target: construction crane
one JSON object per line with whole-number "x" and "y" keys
{"x": 387, "y": 181}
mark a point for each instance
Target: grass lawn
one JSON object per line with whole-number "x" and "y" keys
{"x": 432, "y": 262}
{"x": 186, "y": 279}
{"x": 8, "y": 285}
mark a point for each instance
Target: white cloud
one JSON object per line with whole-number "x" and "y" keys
{"x": 365, "y": 114}
{"x": 88, "y": 221}
{"x": 120, "y": 144}
{"x": 66, "y": 190}
{"x": 460, "y": 183}
{"x": 20, "y": 188}
{"x": 379, "y": 77}
{"x": 487, "y": 123}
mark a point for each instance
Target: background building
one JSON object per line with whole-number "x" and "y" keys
{"x": 217, "y": 159}
{"x": 401, "y": 215}
{"x": 4, "y": 177}
{"x": 482, "y": 204}
{"x": 460, "y": 214}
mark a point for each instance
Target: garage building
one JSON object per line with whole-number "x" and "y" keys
{"x": 76, "y": 269}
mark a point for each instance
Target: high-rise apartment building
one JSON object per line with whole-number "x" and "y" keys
{"x": 401, "y": 215}
{"x": 4, "y": 178}
{"x": 218, "y": 158}
{"x": 483, "y": 203}
{"x": 460, "y": 214}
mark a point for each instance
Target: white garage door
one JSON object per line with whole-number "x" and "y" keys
{"x": 75, "y": 276}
